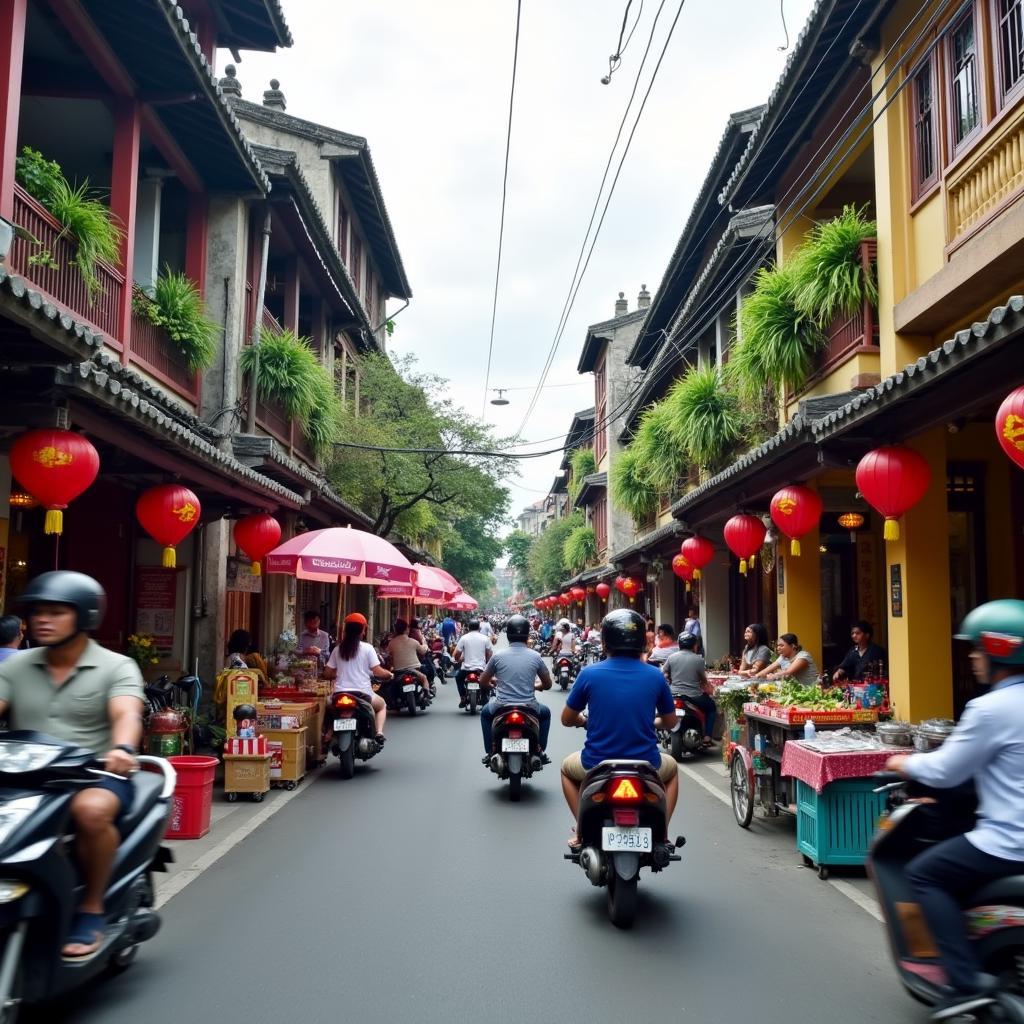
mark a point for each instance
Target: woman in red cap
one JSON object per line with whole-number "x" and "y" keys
{"x": 353, "y": 663}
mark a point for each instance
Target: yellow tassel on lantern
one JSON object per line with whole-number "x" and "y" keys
{"x": 54, "y": 522}
{"x": 752, "y": 561}
{"x": 169, "y": 560}
{"x": 794, "y": 548}
{"x": 890, "y": 532}
{"x": 696, "y": 574}
{"x": 256, "y": 570}
{"x": 743, "y": 567}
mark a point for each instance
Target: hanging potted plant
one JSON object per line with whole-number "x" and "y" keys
{"x": 630, "y": 488}
{"x": 703, "y": 417}
{"x": 580, "y": 548}
{"x": 177, "y": 307}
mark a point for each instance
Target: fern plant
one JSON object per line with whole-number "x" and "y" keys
{"x": 582, "y": 463}
{"x": 703, "y": 417}
{"x": 630, "y": 488}
{"x": 580, "y": 548}
{"x": 662, "y": 461}
{"x": 178, "y": 308}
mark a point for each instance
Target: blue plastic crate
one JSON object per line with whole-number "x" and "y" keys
{"x": 836, "y": 826}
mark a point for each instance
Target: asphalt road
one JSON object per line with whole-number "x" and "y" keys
{"x": 416, "y": 892}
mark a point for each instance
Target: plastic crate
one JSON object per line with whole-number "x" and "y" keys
{"x": 836, "y": 825}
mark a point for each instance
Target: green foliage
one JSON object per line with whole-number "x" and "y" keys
{"x": 518, "y": 546}
{"x": 703, "y": 417}
{"x": 38, "y": 176}
{"x": 288, "y": 372}
{"x": 828, "y": 279}
{"x": 582, "y": 463}
{"x": 580, "y": 548}
{"x": 659, "y": 457}
{"x": 548, "y": 565}
{"x": 778, "y": 340}
{"x": 629, "y": 486}
{"x": 178, "y": 308}
{"x": 471, "y": 549}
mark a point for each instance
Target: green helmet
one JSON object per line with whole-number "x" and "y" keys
{"x": 997, "y": 628}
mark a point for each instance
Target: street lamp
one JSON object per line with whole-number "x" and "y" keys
{"x": 501, "y": 399}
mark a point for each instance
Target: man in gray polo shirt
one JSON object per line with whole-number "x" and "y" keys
{"x": 517, "y": 669}
{"x": 71, "y": 688}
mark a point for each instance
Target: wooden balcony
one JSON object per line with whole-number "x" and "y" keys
{"x": 154, "y": 352}
{"x": 62, "y": 282}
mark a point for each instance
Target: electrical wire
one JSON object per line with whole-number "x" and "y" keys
{"x": 504, "y": 194}
{"x": 785, "y": 27}
{"x": 615, "y": 60}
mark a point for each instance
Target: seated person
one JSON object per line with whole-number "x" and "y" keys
{"x": 687, "y": 677}
{"x": 238, "y": 647}
{"x": 793, "y": 662}
{"x": 757, "y": 655}
{"x": 864, "y": 656}
{"x": 352, "y": 664}
{"x": 665, "y": 645}
{"x": 404, "y": 654}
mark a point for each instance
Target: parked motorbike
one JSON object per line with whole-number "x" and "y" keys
{"x": 515, "y": 746}
{"x": 686, "y": 740}
{"x": 405, "y": 691}
{"x": 622, "y": 826}
{"x": 477, "y": 693}
{"x": 40, "y": 891}
{"x": 565, "y": 670}
{"x": 353, "y": 728}
{"x": 993, "y": 916}
{"x": 591, "y": 652}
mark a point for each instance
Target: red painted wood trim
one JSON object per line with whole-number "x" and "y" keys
{"x": 90, "y": 40}
{"x": 169, "y": 149}
{"x": 12, "y": 52}
{"x": 196, "y": 238}
{"x": 291, "y": 295}
{"x": 124, "y": 183}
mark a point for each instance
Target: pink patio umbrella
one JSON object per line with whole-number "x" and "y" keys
{"x": 462, "y": 602}
{"x": 433, "y": 586}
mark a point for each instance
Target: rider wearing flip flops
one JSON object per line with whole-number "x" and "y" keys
{"x": 69, "y": 687}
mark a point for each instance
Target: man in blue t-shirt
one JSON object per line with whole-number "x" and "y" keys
{"x": 623, "y": 696}
{"x": 448, "y": 630}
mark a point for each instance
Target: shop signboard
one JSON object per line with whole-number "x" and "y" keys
{"x": 896, "y": 590}
{"x": 241, "y": 578}
{"x": 156, "y": 593}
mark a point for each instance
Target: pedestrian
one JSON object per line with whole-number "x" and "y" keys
{"x": 10, "y": 636}
{"x": 238, "y": 647}
{"x": 692, "y": 626}
{"x": 314, "y": 641}
{"x": 665, "y": 645}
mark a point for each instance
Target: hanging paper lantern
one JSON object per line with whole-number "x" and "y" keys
{"x": 682, "y": 568}
{"x": 578, "y": 593}
{"x": 603, "y": 590}
{"x": 55, "y": 467}
{"x": 631, "y": 587}
{"x": 744, "y": 535}
{"x": 619, "y": 581}
{"x": 257, "y": 535}
{"x": 698, "y": 551}
{"x": 168, "y": 513}
{"x": 591, "y": 589}
{"x": 796, "y": 511}
{"x": 1010, "y": 426}
{"x": 893, "y": 479}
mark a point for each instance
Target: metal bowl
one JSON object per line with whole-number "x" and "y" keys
{"x": 895, "y": 734}
{"x": 931, "y": 734}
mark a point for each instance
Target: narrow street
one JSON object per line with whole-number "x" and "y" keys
{"x": 418, "y": 892}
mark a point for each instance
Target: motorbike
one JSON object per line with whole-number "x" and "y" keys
{"x": 622, "y": 826}
{"x": 406, "y": 691}
{"x": 39, "y": 776}
{"x": 591, "y": 652}
{"x": 442, "y": 663}
{"x": 993, "y": 916}
{"x": 686, "y": 739}
{"x": 565, "y": 670}
{"x": 477, "y": 693}
{"x": 353, "y": 728}
{"x": 515, "y": 746}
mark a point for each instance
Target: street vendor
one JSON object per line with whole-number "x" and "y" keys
{"x": 314, "y": 641}
{"x": 864, "y": 656}
{"x": 793, "y": 662}
{"x": 756, "y": 654}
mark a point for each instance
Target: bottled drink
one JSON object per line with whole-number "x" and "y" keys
{"x": 809, "y": 730}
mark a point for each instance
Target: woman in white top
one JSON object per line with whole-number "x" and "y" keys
{"x": 793, "y": 662}
{"x": 565, "y": 642}
{"x": 352, "y": 664}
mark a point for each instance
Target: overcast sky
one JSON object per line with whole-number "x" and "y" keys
{"x": 427, "y": 84}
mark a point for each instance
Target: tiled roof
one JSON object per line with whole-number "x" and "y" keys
{"x": 658, "y": 536}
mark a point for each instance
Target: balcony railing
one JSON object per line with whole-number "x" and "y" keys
{"x": 62, "y": 282}
{"x": 154, "y": 352}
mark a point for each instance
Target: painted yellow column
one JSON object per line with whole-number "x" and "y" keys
{"x": 800, "y": 601}
{"x": 920, "y": 668}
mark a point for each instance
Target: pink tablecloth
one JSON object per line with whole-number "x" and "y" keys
{"x": 818, "y": 769}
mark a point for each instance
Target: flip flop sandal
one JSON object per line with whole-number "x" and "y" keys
{"x": 86, "y": 930}
{"x": 574, "y": 840}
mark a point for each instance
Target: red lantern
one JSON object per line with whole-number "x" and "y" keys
{"x": 698, "y": 551}
{"x": 1010, "y": 426}
{"x": 591, "y": 589}
{"x": 578, "y": 593}
{"x": 796, "y": 511}
{"x": 619, "y": 581}
{"x": 603, "y": 590}
{"x": 893, "y": 479}
{"x": 257, "y": 535}
{"x": 55, "y": 467}
{"x": 630, "y": 587}
{"x": 168, "y": 513}
{"x": 744, "y": 534}
{"x": 682, "y": 568}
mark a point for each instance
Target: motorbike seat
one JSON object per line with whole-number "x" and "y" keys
{"x": 529, "y": 713}
{"x": 146, "y": 789}
{"x": 605, "y": 768}
{"x": 1002, "y": 890}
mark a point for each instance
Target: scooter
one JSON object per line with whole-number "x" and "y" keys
{"x": 477, "y": 693}
{"x": 406, "y": 691}
{"x": 686, "y": 740}
{"x": 622, "y": 826}
{"x": 515, "y": 746}
{"x": 443, "y": 664}
{"x": 565, "y": 671}
{"x": 993, "y": 916}
{"x": 40, "y": 890}
{"x": 353, "y": 728}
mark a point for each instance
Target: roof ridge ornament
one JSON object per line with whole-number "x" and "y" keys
{"x": 229, "y": 84}
{"x": 273, "y": 97}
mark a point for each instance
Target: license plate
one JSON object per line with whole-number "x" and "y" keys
{"x": 409, "y": 688}
{"x": 515, "y": 746}
{"x": 565, "y": 671}
{"x": 344, "y": 725}
{"x": 629, "y": 840}
{"x": 472, "y": 686}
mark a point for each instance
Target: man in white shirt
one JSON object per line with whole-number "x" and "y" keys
{"x": 486, "y": 629}
{"x": 472, "y": 653}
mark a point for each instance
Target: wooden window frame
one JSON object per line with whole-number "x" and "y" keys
{"x": 356, "y": 267}
{"x": 1003, "y": 97}
{"x": 600, "y": 408}
{"x": 599, "y": 520}
{"x": 958, "y": 148}
{"x": 922, "y": 188}
{"x": 343, "y": 228}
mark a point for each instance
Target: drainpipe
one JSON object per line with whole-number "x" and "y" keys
{"x": 257, "y": 324}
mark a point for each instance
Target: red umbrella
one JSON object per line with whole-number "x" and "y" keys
{"x": 433, "y": 586}
{"x": 337, "y": 553}
{"x": 462, "y": 602}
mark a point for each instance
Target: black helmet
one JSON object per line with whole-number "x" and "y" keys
{"x": 517, "y": 629}
{"x": 473, "y": 624}
{"x": 244, "y": 711}
{"x": 623, "y": 630}
{"x": 687, "y": 641}
{"x": 82, "y": 592}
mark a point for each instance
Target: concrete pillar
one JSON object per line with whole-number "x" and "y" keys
{"x": 799, "y": 592}
{"x": 714, "y": 607}
{"x": 146, "y": 258}
{"x": 920, "y": 671}
{"x": 208, "y": 599}
{"x": 665, "y": 601}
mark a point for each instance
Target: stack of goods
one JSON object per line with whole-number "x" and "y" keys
{"x": 795, "y": 703}
{"x": 247, "y": 757}
{"x": 287, "y": 728}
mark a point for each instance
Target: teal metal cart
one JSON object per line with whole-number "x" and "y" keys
{"x": 835, "y": 826}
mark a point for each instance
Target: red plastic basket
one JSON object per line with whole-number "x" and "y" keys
{"x": 193, "y": 797}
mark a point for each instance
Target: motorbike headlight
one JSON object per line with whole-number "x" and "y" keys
{"x": 26, "y": 757}
{"x": 11, "y": 890}
{"x": 13, "y": 813}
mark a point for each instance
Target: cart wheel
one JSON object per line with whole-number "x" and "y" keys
{"x": 742, "y": 798}
{"x": 289, "y": 786}
{"x": 808, "y": 863}
{"x": 257, "y": 798}
{"x": 823, "y": 872}
{"x": 232, "y": 797}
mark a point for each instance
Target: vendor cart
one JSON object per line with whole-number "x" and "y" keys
{"x": 755, "y": 767}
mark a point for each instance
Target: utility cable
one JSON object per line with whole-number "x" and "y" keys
{"x": 504, "y": 194}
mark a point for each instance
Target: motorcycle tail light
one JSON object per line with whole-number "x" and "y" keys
{"x": 626, "y": 790}
{"x": 343, "y": 700}
{"x": 679, "y": 703}
{"x": 473, "y": 677}
{"x": 515, "y": 734}
{"x": 515, "y": 717}
{"x": 629, "y": 818}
